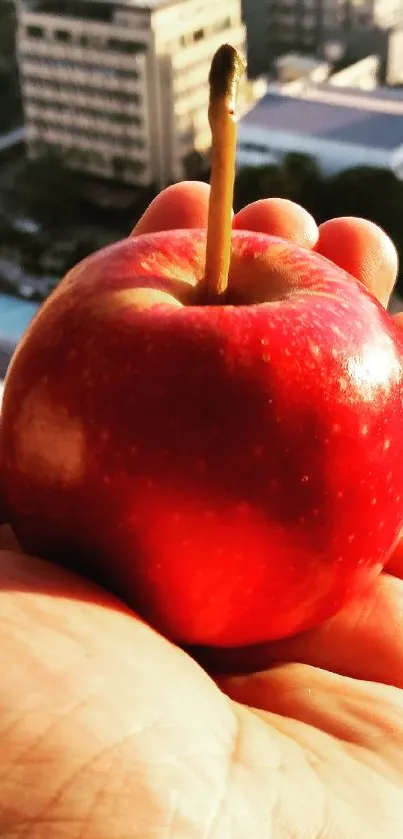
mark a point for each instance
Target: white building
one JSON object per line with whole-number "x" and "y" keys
{"x": 296, "y": 73}
{"x": 121, "y": 86}
{"x": 314, "y": 25}
{"x": 322, "y": 28}
{"x": 293, "y": 67}
{"x": 363, "y": 74}
{"x": 340, "y": 128}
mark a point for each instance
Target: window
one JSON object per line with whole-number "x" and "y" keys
{"x": 35, "y": 32}
{"x": 65, "y": 64}
{"x": 187, "y": 136}
{"x": 220, "y": 25}
{"x": 126, "y": 47}
{"x": 87, "y": 90}
{"x": 77, "y": 111}
{"x": 135, "y": 166}
{"x": 96, "y": 158}
{"x": 62, "y": 35}
{"x": 48, "y": 123}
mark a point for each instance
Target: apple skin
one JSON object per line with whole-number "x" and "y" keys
{"x": 233, "y": 472}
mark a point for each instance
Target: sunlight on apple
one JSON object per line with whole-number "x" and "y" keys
{"x": 187, "y": 268}
{"x": 40, "y": 447}
{"x": 377, "y": 366}
{"x": 137, "y": 298}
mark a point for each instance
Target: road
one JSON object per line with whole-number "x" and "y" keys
{"x": 4, "y": 362}
{"x": 11, "y": 139}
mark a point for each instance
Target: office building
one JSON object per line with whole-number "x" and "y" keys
{"x": 329, "y": 27}
{"x": 119, "y": 87}
{"x": 326, "y": 29}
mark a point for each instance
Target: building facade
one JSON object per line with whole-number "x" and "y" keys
{"x": 324, "y": 28}
{"x": 120, "y": 87}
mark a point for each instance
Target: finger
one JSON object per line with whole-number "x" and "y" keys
{"x": 364, "y": 641}
{"x": 7, "y": 539}
{"x": 279, "y": 217}
{"x": 364, "y": 250}
{"x": 359, "y": 713}
{"x": 180, "y": 206}
{"x": 345, "y": 741}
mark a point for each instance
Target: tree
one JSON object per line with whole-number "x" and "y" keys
{"x": 372, "y": 193}
{"x": 7, "y": 35}
{"x": 255, "y": 182}
{"x": 375, "y": 194}
{"x": 48, "y": 189}
{"x": 305, "y": 181}
{"x": 297, "y": 178}
{"x": 11, "y": 109}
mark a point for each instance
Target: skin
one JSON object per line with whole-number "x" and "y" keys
{"x": 107, "y": 730}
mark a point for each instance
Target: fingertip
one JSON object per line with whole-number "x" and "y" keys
{"x": 362, "y": 249}
{"x": 181, "y": 206}
{"x": 279, "y": 217}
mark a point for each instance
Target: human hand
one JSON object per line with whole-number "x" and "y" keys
{"x": 108, "y": 730}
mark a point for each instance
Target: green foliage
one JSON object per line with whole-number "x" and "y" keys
{"x": 256, "y": 182}
{"x": 296, "y": 178}
{"x": 48, "y": 190}
{"x": 375, "y": 194}
{"x": 7, "y": 32}
{"x": 11, "y": 109}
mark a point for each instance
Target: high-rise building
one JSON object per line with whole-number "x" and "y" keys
{"x": 316, "y": 25}
{"x": 119, "y": 87}
{"x": 255, "y": 14}
{"x": 323, "y": 28}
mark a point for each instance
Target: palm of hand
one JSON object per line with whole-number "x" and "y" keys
{"x": 109, "y": 731}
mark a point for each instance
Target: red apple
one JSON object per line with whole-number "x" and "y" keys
{"x": 233, "y": 471}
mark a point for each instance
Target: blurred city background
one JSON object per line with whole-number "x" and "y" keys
{"x": 104, "y": 102}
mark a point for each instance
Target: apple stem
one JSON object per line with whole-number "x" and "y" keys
{"x": 227, "y": 67}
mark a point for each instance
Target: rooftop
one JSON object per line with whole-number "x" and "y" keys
{"x": 306, "y": 63}
{"x": 385, "y": 99}
{"x": 356, "y": 119}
